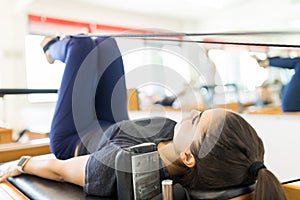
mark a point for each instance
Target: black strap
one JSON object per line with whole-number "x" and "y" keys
{"x": 46, "y": 47}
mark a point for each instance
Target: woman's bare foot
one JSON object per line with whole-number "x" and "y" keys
{"x": 45, "y": 44}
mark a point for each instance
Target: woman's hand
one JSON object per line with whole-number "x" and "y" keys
{"x": 262, "y": 63}
{"x": 9, "y": 170}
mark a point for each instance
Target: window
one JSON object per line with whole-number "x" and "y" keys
{"x": 154, "y": 69}
{"x": 41, "y": 74}
{"x": 251, "y": 75}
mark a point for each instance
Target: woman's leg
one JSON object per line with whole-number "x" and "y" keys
{"x": 110, "y": 98}
{"x": 111, "y": 94}
{"x": 63, "y": 134}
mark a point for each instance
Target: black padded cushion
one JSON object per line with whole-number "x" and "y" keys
{"x": 42, "y": 189}
{"x": 221, "y": 194}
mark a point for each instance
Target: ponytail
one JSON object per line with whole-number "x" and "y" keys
{"x": 268, "y": 187}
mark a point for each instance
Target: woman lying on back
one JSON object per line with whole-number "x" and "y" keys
{"x": 210, "y": 150}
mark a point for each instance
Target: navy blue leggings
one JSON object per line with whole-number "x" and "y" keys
{"x": 101, "y": 97}
{"x": 291, "y": 93}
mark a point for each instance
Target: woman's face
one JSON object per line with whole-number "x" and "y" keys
{"x": 194, "y": 127}
{"x": 186, "y": 130}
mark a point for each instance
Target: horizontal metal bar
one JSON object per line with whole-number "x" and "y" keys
{"x": 4, "y": 92}
{"x": 153, "y": 33}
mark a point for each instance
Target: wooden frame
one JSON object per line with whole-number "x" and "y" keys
{"x": 292, "y": 191}
{"x": 14, "y": 151}
{"x": 133, "y": 100}
{"x": 5, "y": 135}
{"x": 10, "y": 192}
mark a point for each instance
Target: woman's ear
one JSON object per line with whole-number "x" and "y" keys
{"x": 188, "y": 158}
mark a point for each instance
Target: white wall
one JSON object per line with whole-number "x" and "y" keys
{"x": 79, "y": 11}
{"x": 281, "y": 138}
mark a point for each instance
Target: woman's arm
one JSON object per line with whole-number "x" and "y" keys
{"x": 71, "y": 170}
{"x": 288, "y": 63}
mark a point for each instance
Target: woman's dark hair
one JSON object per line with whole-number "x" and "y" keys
{"x": 227, "y": 163}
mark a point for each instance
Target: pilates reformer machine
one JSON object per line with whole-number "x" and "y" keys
{"x": 137, "y": 173}
{"x": 137, "y": 177}
{"x": 136, "y": 181}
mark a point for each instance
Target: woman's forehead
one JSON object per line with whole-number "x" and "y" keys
{"x": 212, "y": 115}
{"x": 210, "y": 128}
{"x": 212, "y": 121}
